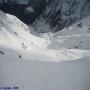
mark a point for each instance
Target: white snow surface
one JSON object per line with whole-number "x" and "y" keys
{"x": 15, "y": 34}
{"x": 59, "y": 61}
{"x": 76, "y": 36}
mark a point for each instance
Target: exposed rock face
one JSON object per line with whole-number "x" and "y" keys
{"x": 61, "y": 13}
{"x": 48, "y": 15}
{"x": 26, "y": 10}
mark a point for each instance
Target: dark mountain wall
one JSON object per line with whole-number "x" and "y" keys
{"x": 28, "y": 13}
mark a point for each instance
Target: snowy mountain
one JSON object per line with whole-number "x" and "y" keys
{"x": 47, "y": 15}
{"x": 18, "y": 36}
{"x": 51, "y": 61}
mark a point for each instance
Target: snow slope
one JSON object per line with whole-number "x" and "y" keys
{"x": 76, "y": 36}
{"x": 27, "y": 74}
{"x": 15, "y": 33}
{"x": 34, "y": 63}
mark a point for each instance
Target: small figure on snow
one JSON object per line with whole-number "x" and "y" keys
{"x": 1, "y": 52}
{"x": 20, "y": 56}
